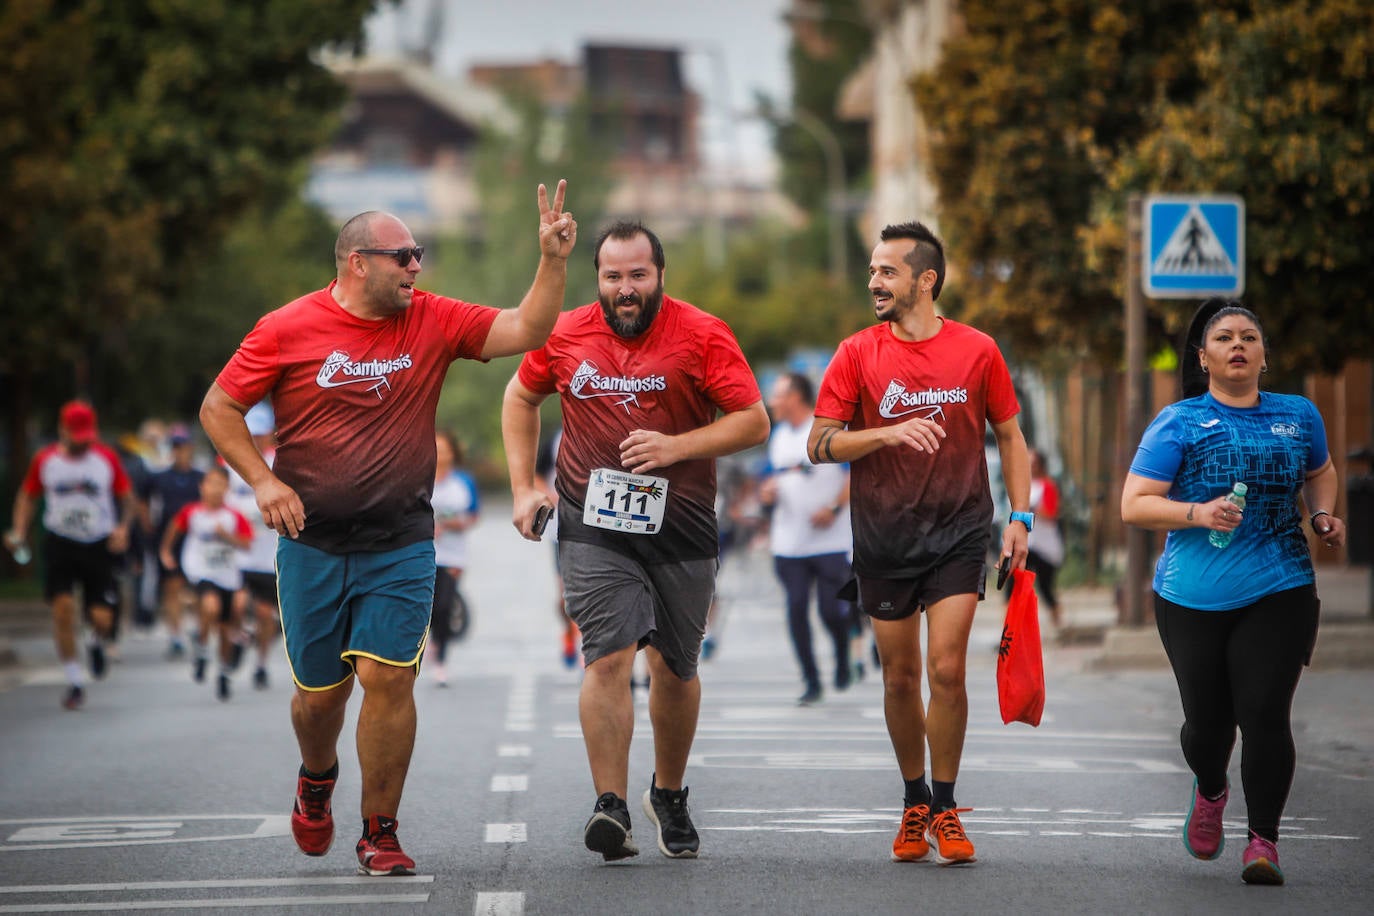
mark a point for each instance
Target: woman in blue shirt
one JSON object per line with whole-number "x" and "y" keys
{"x": 1238, "y": 623}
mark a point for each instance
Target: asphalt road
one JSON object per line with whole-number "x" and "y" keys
{"x": 157, "y": 796}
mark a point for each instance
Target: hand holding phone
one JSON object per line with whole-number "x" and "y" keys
{"x": 1003, "y": 570}
{"x": 541, "y": 519}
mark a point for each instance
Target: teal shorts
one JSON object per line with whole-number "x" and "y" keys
{"x": 337, "y": 606}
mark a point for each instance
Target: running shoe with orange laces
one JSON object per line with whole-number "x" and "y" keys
{"x": 947, "y": 837}
{"x": 312, "y": 823}
{"x": 911, "y": 844}
{"x": 379, "y": 852}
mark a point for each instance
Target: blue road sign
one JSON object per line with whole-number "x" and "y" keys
{"x": 1194, "y": 246}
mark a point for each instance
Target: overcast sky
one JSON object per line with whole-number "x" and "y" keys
{"x": 742, "y": 43}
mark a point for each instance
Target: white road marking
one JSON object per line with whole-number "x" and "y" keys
{"x": 369, "y": 900}
{"x": 509, "y": 783}
{"x": 513, "y": 750}
{"x": 499, "y": 903}
{"x": 214, "y": 882}
{"x": 505, "y": 833}
{"x": 92, "y": 832}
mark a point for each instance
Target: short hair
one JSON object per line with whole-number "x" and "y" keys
{"x": 624, "y": 230}
{"x": 355, "y": 234}
{"x": 927, "y": 254}
{"x": 801, "y": 384}
{"x": 459, "y": 453}
{"x": 219, "y": 469}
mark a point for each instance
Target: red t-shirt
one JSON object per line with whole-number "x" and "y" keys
{"x": 355, "y": 404}
{"x": 910, "y": 508}
{"x": 671, "y": 379}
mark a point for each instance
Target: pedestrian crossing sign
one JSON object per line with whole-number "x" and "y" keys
{"x": 1194, "y": 246}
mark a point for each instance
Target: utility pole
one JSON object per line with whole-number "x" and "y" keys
{"x": 1137, "y": 539}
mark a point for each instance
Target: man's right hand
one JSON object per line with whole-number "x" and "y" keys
{"x": 522, "y": 514}
{"x": 282, "y": 510}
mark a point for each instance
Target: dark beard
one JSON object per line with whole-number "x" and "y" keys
{"x": 635, "y": 326}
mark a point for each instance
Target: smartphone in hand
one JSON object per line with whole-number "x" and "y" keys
{"x": 541, "y": 519}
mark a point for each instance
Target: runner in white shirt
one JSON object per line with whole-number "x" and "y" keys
{"x": 809, "y": 533}
{"x": 456, "y": 505}
{"x": 88, "y": 505}
{"x": 211, "y": 534}
{"x": 259, "y": 560}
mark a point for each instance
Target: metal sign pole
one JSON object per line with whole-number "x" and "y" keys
{"x": 1133, "y": 589}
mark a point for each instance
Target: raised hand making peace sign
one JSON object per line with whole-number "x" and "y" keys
{"x": 557, "y": 230}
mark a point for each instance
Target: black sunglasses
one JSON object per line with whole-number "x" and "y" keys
{"x": 402, "y": 255}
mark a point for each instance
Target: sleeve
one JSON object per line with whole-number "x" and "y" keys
{"x": 536, "y": 371}
{"x": 728, "y": 381}
{"x": 1001, "y": 399}
{"x": 242, "y": 527}
{"x": 182, "y": 522}
{"x": 1320, "y": 452}
{"x": 474, "y": 495}
{"x": 120, "y": 484}
{"x": 464, "y": 325}
{"x": 255, "y": 367}
{"x": 838, "y": 398}
{"x": 33, "y": 480}
{"x": 1161, "y": 449}
{"x": 1049, "y": 501}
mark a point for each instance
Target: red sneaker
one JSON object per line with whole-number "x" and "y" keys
{"x": 379, "y": 852}
{"x": 312, "y": 823}
{"x": 947, "y": 837}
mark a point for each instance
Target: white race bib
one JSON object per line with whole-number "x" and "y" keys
{"x": 625, "y": 502}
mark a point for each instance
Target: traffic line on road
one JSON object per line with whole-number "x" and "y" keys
{"x": 382, "y": 893}
{"x": 509, "y": 782}
{"x": 514, "y": 750}
{"x": 499, "y": 903}
{"x": 506, "y": 833}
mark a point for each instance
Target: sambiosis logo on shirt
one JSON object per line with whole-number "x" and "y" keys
{"x": 588, "y": 382}
{"x": 899, "y": 402}
{"x": 339, "y": 370}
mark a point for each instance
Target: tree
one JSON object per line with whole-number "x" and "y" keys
{"x": 1284, "y": 120}
{"x": 132, "y": 137}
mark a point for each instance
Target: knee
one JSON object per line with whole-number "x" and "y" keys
{"x": 901, "y": 681}
{"x": 376, "y": 677}
{"x": 320, "y": 704}
{"x": 614, "y": 668}
{"x": 946, "y": 676}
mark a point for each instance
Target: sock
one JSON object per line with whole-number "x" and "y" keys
{"x": 75, "y": 676}
{"x": 942, "y": 794}
{"x": 917, "y": 792}
{"x": 331, "y": 773}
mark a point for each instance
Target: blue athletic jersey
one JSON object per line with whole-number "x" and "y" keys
{"x": 1203, "y": 447}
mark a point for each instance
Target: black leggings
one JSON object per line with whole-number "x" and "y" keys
{"x": 828, "y": 572}
{"x": 1241, "y": 668}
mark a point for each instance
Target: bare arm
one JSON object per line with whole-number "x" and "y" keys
{"x": 1319, "y": 492}
{"x": 831, "y": 443}
{"x": 20, "y": 519}
{"x": 1145, "y": 503}
{"x": 644, "y": 450}
{"x": 1011, "y": 445}
{"x": 222, "y": 418}
{"x": 520, "y": 435}
{"x": 528, "y": 325}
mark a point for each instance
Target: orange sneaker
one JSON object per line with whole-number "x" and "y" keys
{"x": 911, "y": 844}
{"x": 946, "y": 835}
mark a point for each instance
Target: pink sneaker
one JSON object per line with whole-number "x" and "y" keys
{"x": 1260, "y": 862}
{"x": 1202, "y": 831}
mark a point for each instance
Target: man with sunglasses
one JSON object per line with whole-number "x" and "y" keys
{"x": 354, "y": 372}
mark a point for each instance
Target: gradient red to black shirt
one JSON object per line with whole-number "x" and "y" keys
{"x": 910, "y": 508}
{"x": 703, "y": 371}
{"x": 359, "y": 453}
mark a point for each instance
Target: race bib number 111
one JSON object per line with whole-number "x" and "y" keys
{"x": 621, "y": 501}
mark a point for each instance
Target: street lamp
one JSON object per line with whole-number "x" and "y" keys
{"x": 836, "y": 198}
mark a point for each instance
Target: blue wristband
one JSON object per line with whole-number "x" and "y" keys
{"x": 1025, "y": 518}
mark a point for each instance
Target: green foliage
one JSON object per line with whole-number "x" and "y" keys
{"x": 1045, "y": 114}
{"x": 132, "y": 137}
{"x": 1285, "y": 120}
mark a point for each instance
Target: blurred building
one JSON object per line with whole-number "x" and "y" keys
{"x": 405, "y": 144}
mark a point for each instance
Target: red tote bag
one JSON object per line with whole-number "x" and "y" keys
{"x": 1020, "y": 666}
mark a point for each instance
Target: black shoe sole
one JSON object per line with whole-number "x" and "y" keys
{"x": 606, "y": 835}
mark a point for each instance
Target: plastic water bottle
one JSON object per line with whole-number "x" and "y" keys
{"x": 21, "y": 553}
{"x": 1222, "y": 539}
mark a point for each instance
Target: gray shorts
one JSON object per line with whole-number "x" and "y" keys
{"x": 618, "y": 602}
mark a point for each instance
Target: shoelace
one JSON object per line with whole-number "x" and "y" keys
{"x": 385, "y": 841}
{"x": 913, "y": 825}
{"x": 949, "y": 828}
{"x": 314, "y": 801}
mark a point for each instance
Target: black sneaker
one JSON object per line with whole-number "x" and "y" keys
{"x": 667, "y": 808}
{"x": 608, "y": 831}
{"x": 260, "y": 679}
{"x": 73, "y": 698}
{"x": 222, "y": 691}
{"x": 198, "y": 670}
{"x": 97, "y": 657}
{"x": 235, "y": 655}
{"x": 811, "y": 697}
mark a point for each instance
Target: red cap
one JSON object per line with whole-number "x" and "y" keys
{"x": 78, "y": 421}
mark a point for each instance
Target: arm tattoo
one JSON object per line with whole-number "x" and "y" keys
{"x": 1190, "y": 511}
{"x": 829, "y": 434}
